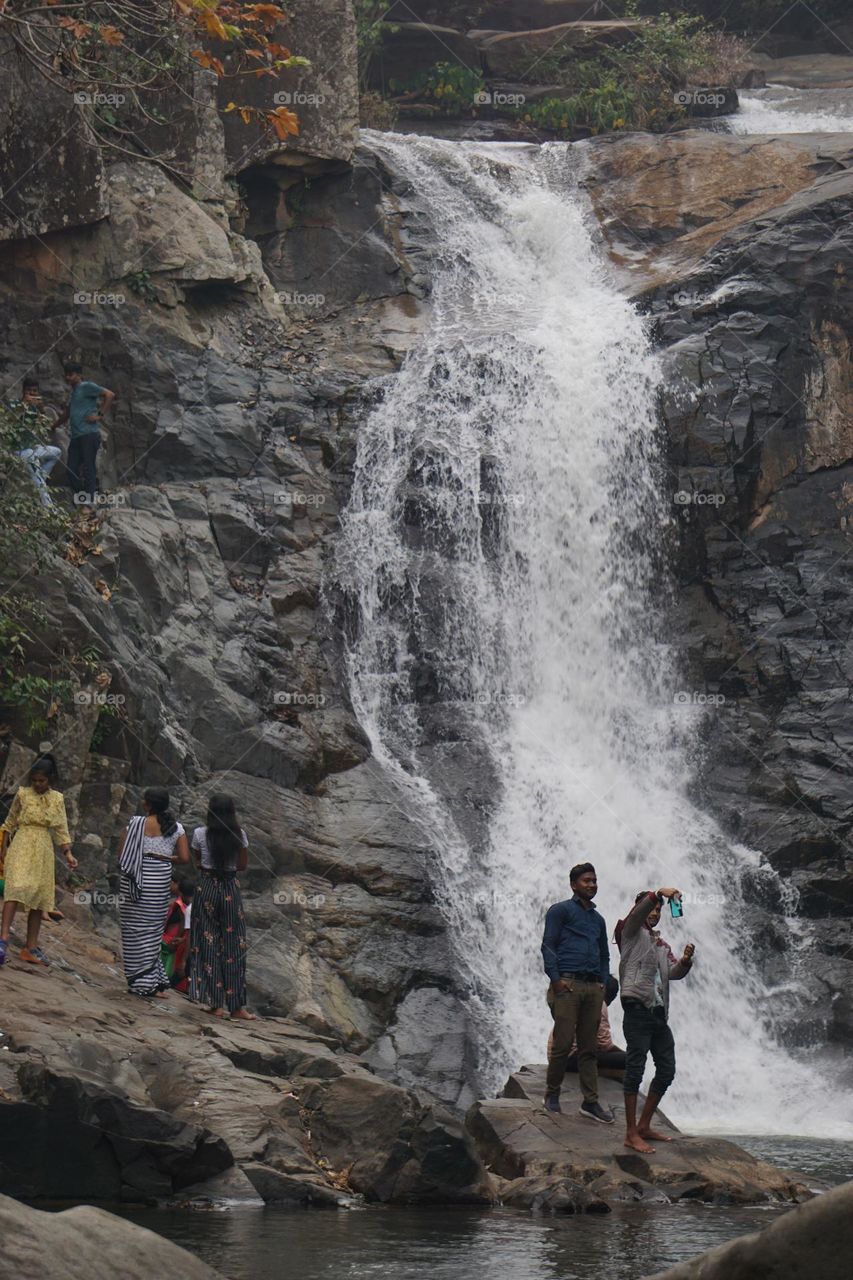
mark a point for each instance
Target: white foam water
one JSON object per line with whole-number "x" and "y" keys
{"x": 775, "y": 110}
{"x": 522, "y": 431}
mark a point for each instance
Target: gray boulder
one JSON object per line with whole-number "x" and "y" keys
{"x": 815, "y": 1239}
{"x": 88, "y": 1244}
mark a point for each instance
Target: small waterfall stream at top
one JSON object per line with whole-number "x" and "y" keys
{"x": 503, "y": 548}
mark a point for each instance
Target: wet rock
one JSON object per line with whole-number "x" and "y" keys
{"x": 515, "y": 54}
{"x": 394, "y": 1144}
{"x": 547, "y": 1156}
{"x": 88, "y": 1244}
{"x": 813, "y": 1239}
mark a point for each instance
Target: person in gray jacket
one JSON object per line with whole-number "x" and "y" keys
{"x": 646, "y": 968}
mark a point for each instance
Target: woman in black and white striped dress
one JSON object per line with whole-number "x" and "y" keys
{"x": 150, "y": 845}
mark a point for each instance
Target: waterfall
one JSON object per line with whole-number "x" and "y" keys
{"x": 504, "y": 550}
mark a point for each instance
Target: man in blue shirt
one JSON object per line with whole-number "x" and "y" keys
{"x": 577, "y": 960}
{"x": 84, "y": 413}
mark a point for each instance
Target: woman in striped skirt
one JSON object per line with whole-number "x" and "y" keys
{"x": 218, "y": 929}
{"x": 150, "y": 845}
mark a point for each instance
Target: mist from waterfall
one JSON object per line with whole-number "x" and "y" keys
{"x": 505, "y": 534}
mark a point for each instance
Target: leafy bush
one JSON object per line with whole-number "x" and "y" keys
{"x": 454, "y": 89}
{"x": 634, "y": 85}
{"x": 28, "y": 533}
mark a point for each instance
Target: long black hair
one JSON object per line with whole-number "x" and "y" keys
{"x": 224, "y": 837}
{"x": 45, "y": 764}
{"x": 157, "y": 799}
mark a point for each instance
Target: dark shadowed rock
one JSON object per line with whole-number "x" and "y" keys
{"x": 394, "y": 1144}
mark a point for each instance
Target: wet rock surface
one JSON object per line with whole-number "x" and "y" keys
{"x": 567, "y": 1164}
{"x": 88, "y": 1244}
{"x": 813, "y": 1239}
{"x": 104, "y": 1096}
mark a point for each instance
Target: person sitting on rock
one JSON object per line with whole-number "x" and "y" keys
{"x": 34, "y": 443}
{"x": 577, "y": 960}
{"x": 85, "y": 411}
{"x": 610, "y": 1058}
{"x": 646, "y": 968}
{"x": 36, "y": 819}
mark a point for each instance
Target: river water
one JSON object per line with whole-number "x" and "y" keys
{"x": 469, "y": 1244}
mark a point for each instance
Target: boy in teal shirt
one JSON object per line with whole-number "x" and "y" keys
{"x": 84, "y": 413}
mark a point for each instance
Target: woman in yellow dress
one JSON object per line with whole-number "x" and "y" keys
{"x": 36, "y": 819}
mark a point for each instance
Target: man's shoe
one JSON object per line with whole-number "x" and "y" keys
{"x": 552, "y": 1102}
{"x": 2, "y": 951}
{"x": 595, "y": 1111}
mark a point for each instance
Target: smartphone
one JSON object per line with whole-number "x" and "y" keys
{"x": 676, "y": 906}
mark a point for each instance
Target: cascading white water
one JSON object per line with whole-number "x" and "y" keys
{"x": 782, "y": 110}
{"x": 505, "y": 530}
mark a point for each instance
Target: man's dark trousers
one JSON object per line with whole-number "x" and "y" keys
{"x": 576, "y": 1013}
{"x": 80, "y": 466}
{"x": 647, "y": 1031}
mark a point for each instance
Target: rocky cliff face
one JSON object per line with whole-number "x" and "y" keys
{"x": 238, "y": 325}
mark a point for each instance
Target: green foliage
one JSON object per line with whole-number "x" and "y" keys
{"x": 609, "y": 106}
{"x": 634, "y": 85}
{"x": 26, "y": 523}
{"x": 454, "y": 89}
{"x": 755, "y": 16}
{"x": 29, "y": 534}
{"x": 37, "y": 693}
{"x": 370, "y": 30}
{"x": 139, "y": 283}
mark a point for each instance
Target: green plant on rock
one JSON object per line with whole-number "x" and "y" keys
{"x": 37, "y": 693}
{"x": 456, "y": 90}
{"x": 371, "y": 27}
{"x": 139, "y": 282}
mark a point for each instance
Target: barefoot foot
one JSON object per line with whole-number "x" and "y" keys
{"x": 243, "y": 1015}
{"x": 654, "y": 1136}
{"x": 636, "y": 1143}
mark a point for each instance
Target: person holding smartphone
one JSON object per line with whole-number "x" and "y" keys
{"x": 646, "y": 968}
